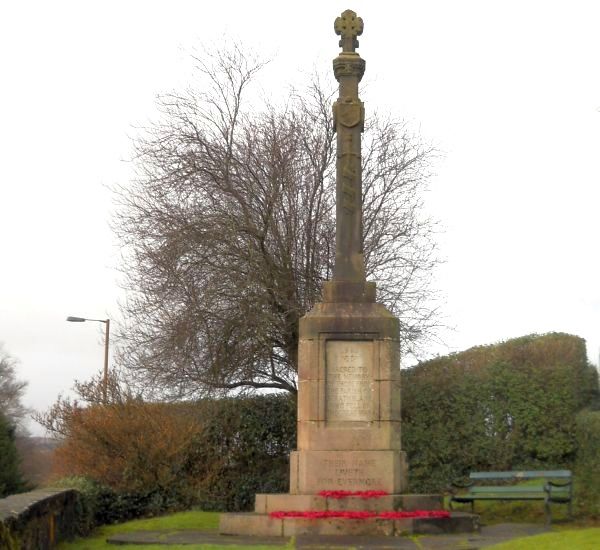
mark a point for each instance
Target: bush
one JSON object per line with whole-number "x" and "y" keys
{"x": 132, "y": 447}
{"x": 510, "y": 405}
{"x": 10, "y": 476}
{"x": 98, "y": 504}
{"x": 245, "y": 446}
{"x": 587, "y": 466}
{"x": 135, "y": 458}
{"x": 139, "y": 458}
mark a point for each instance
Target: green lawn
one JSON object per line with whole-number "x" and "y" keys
{"x": 564, "y": 538}
{"x": 175, "y": 522}
{"x": 581, "y": 539}
{"x": 516, "y": 512}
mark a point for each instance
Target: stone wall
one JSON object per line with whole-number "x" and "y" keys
{"x": 38, "y": 520}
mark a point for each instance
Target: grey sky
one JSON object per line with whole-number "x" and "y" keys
{"x": 510, "y": 90}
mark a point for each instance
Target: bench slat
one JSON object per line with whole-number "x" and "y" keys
{"x": 518, "y": 489}
{"x": 516, "y": 494}
{"x": 546, "y": 474}
{"x": 467, "y": 498}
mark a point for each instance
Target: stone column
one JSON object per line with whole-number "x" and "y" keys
{"x": 349, "y": 116}
{"x": 348, "y": 365}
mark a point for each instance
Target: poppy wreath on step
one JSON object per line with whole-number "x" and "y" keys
{"x": 358, "y": 514}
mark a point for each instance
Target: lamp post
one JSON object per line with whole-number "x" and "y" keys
{"x": 106, "y": 335}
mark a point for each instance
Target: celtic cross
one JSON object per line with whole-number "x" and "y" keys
{"x": 348, "y": 26}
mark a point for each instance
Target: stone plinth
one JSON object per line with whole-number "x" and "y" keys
{"x": 348, "y": 396}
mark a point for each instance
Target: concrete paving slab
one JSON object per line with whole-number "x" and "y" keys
{"x": 191, "y": 537}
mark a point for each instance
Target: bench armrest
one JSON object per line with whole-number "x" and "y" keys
{"x": 551, "y": 484}
{"x": 458, "y": 484}
{"x": 559, "y": 485}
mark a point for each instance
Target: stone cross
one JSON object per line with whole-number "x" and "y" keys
{"x": 348, "y": 113}
{"x": 348, "y": 26}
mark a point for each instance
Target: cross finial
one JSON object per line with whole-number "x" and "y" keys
{"x": 348, "y": 26}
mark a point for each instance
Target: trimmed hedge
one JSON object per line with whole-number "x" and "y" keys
{"x": 587, "y": 465}
{"x": 499, "y": 407}
{"x": 511, "y": 405}
{"x": 10, "y": 476}
{"x": 139, "y": 459}
{"x": 245, "y": 447}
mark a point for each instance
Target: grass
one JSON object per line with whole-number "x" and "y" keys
{"x": 564, "y": 535}
{"x": 581, "y": 539}
{"x": 203, "y": 521}
{"x": 493, "y": 512}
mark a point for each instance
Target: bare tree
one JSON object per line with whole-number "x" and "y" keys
{"x": 11, "y": 391}
{"x": 58, "y": 419}
{"x": 229, "y": 232}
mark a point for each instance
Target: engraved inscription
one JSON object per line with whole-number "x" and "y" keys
{"x": 348, "y": 380}
{"x": 350, "y": 474}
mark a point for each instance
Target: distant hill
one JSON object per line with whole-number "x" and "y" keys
{"x": 36, "y": 455}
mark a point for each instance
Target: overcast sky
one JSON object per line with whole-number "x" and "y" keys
{"x": 509, "y": 90}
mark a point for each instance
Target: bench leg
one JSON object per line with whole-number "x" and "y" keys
{"x": 548, "y": 514}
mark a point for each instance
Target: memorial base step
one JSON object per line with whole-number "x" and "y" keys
{"x": 255, "y": 524}
{"x": 284, "y": 502}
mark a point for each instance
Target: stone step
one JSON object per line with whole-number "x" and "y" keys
{"x": 251, "y": 523}
{"x": 266, "y": 503}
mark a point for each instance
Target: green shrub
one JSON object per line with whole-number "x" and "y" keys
{"x": 141, "y": 459}
{"x": 245, "y": 448}
{"x": 99, "y": 504}
{"x": 500, "y": 407}
{"x": 10, "y": 476}
{"x": 587, "y": 466}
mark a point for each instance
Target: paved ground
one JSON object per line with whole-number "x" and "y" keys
{"x": 489, "y": 535}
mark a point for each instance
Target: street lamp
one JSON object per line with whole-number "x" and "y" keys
{"x": 107, "y": 323}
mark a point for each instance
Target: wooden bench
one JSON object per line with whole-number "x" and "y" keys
{"x": 556, "y": 486}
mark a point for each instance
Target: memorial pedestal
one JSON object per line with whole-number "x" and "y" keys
{"x": 348, "y": 396}
{"x": 348, "y": 429}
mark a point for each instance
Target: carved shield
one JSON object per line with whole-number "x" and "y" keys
{"x": 349, "y": 114}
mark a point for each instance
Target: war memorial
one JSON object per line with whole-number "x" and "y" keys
{"x": 349, "y": 475}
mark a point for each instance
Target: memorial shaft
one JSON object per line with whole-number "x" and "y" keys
{"x": 348, "y": 113}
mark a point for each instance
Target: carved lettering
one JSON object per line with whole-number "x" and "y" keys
{"x": 348, "y": 381}
{"x": 350, "y": 474}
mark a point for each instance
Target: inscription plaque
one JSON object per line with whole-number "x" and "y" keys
{"x": 348, "y": 380}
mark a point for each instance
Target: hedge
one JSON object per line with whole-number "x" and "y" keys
{"x": 506, "y": 406}
{"x": 245, "y": 448}
{"x": 499, "y": 407}
{"x": 134, "y": 458}
{"x": 587, "y": 465}
{"x": 10, "y": 476}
